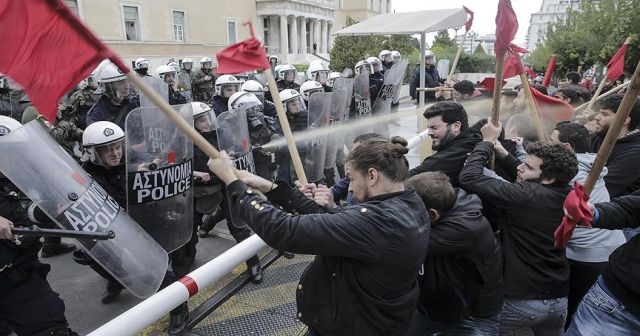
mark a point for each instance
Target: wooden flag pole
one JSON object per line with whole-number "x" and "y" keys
{"x": 164, "y": 106}
{"x": 630, "y": 98}
{"x": 497, "y": 86}
{"x": 458, "y": 54}
{"x": 606, "y": 94}
{"x": 284, "y": 122}
{"x": 542, "y": 136}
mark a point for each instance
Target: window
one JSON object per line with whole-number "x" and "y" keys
{"x": 73, "y": 5}
{"x": 231, "y": 32}
{"x": 131, "y": 24}
{"x": 178, "y": 26}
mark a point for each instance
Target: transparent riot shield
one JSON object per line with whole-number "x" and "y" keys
{"x": 53, "y": 180}
{"x": 382, "y": 106}
{"x": 159, "y": 86}
{"x": 233, "y": 137}
{"x": 340, "y": 102}
{"x": 184, "y": 85}
{"x": 319, "y": 113}
{"x": 159, "y": 175}
{"x": 362, "y": 96}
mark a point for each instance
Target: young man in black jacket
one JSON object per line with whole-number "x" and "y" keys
{"x": 536, "y": 274}
{"x": 623, "y": 175}
{"x": 451, "y": 138}
{"x": 613, "y": 302}
{"x": 363, "y": 281}
{"x": 461, "y": 287}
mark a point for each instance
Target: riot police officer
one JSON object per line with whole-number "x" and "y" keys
{"x": 226, "y": 86}
{"x": 386, "y": 58}
{"x": 310, "y": 87}
{"x": 116, "y": 101}
{"x": 141, "y": 67}
{"x": 319, "y": 72}
{"x": 210, "y": 193}
{"x": 28, "y": 306}
{"x": 185, "y": 77}
{"x": 298, "y": 117}
{"x": 81, "y": 102}
{"x": 203, "y": 80}
{"x": 253, "y": 86}
{"x": 169, "y": 76}
{"x": 104, "y": 143}
{"x": 287, "y": 77}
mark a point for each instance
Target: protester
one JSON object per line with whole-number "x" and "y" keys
{"x": 364, "y": 278}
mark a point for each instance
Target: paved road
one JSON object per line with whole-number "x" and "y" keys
{"x": 81, "y": 288}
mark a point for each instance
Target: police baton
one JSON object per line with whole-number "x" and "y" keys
{"x": 38, "y": 231}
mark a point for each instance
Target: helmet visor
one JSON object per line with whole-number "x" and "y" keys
{"x": 294, "y": 105}
{"x": 289, "y": 75}
{"x": 321, "y": 76}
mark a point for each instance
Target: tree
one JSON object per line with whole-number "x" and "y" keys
{"x": 479, "y": 50}
{"x": 348, "y": 50}
{"x": 539, "y": 58}
{"x": 592, "y": 33}
{"x": 443, "y": 40}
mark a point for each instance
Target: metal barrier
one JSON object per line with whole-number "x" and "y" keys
{"x": 158, "y": 305}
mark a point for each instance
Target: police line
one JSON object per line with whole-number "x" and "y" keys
{"x": 158, "y": 305}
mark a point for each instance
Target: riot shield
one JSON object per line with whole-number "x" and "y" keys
{"x": 382, "y": 106}
{"x": 159, "y": 175}
{"x": 159, "y": 86}
{"x": 233, "y": 137}
{"x": 319, "y": 112}
{"x": 340, "y": 102}
{"x": 53, "y": 180}
{"x": 362, "y": 96}
{"x": 184, "y": 85}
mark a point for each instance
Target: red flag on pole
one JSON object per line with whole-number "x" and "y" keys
{"x": 549, "y": 72}
{"x": 44, "y": 50}
{"x": 576, "y": 211}
{"x": 512, "y": 66}
{"x": 489, "y": 83}
{"x": 467, "y": 25}
{"x": 616, "y": 64}
{"x": 243, "y": 56}
{"x": 551, "y": 108}
{"x": 506, "y": 27}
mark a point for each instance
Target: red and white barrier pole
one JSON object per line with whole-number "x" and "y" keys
{"x": 158, "y": 305}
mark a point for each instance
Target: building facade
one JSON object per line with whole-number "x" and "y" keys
{"x": 550, "y": 11}
{"x": 474, "y": 39}
{"x": 161, "y": 30}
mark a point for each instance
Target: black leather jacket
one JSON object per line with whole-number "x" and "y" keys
{"x": 364, "y": 278}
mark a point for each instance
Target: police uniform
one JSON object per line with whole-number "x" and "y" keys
{"x": 79, "y": 104}
{"x": 219, "y": 104}
{"x": 185, "y": 77}
{"x": 28, "y": 305}
{"x": 298, "y": 122}
{"x": 105, "y": 110}
{"x": 203, "y": 90}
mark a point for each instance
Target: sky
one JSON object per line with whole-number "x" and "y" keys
{"x": 484, "y": 13}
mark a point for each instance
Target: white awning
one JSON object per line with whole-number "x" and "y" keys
{"x": 408, "y": 23}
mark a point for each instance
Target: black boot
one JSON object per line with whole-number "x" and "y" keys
{"x": 209, "y": 222}
{"x": 53, "y": 246}
{"x": 254, "y": 269}
{"x": 178, "y": 320}
{"x": 112, "y": 293}
{"x": 288, "y": 255}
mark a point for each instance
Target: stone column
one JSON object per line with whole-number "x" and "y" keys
{"x": 330, "y": 37}
{"x": 323, "y": 37}
{"x": 284, "y": 37}
{"x": 293, "y": 21}
{"x": 260, "y": 28}
{"x": 303, "y": 35}
{"x": 316, "y": 34}
{"x": 273, "y": 20}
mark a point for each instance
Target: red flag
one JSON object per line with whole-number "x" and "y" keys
{"x": 551, "y": 108}
{"x": 45, "y": 51}
{"x": 489, "y": 82}
{"x": 577, "y": 212}
{"x": 532, "y": 74}
{"x": 512, "y": 66}
{"x": 243, "y": 56}
{"x": 506, "y": 27}
{"x": 547, "y": 74}
{"x": 467, "y": 25}
{"x": 616, "y": 64}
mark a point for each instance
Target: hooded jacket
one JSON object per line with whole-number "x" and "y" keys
{"x": 590, "y": 244}
{"x": 450, "y": 158}
{"x": 463, "y": 268}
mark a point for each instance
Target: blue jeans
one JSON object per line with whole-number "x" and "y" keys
{"x": 599, "y": 313}
{"x": 423, "y": 325}
{"x": 544, "y": 317}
